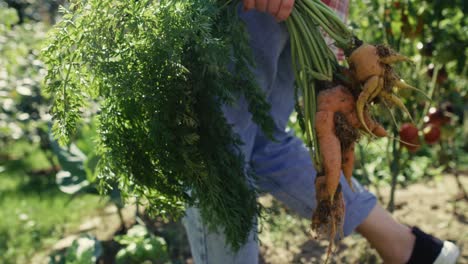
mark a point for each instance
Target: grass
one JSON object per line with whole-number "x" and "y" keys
{"x": 34, "y": 213}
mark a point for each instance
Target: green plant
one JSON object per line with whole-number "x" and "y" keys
{"x": 23, "y": 110}
{"x": 140, "y": 246}
{"x": 423, "y": 32}
{"x": 85, "y": 249}
{"x": 77, "y": 173}
{"x": 161, "y": 71}
{"x": 35, "y": 213}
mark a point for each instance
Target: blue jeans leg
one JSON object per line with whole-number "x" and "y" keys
{"x": 210, "y": 247}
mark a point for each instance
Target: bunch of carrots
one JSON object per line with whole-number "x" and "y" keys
{"x": 336, "y": 100}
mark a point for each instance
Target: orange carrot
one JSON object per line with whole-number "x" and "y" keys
{"x": 330, "y": 149}
{"x": 365, "y": 62}
{"x": 371, "y": 66}
{"x": 334, "y": 158}
{"x": 374, "y": 127}
{"x": 337, "y": 99}
{"x": 371, "y": 124}
{"x": 348, "y": 164}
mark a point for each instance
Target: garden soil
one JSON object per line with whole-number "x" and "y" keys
{"x": 435, "y": 206}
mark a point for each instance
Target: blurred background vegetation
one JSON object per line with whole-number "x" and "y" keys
{"x": 48, "y": 194}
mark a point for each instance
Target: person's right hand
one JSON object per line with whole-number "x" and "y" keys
{"x": 280, "y": 9}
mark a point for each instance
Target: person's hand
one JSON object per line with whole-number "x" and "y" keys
{"x": 280, "y": 9}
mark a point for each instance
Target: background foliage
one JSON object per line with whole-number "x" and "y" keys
{"x": 433, "y": 34}
{"x": 35, "y": 214}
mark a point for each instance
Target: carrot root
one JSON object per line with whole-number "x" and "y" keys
{"x": 364, "y": 62}
{"x": 368, "y": 91}
{"x": 394, "y": 58}
{"x": 392, "y": 99}
{"x": 375, "y": 128}
{"x": 348, "y": 164}
{"x": 330, "y": 150}
{"x": 403, "y": 85}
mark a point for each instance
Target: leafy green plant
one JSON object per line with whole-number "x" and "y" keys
{"x": 77, "y": 173}
{"x": 23, "y": 109}
{"x": 161, "y": 71}
{"x": 33, "y": 10}
{"x": 86, "y": 249}
{"x": 8, "y": 18}
{"x": 35, "y": 213}
{"x": 140, "y": 246}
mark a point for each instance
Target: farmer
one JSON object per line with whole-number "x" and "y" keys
{"x": 284, "y": 167}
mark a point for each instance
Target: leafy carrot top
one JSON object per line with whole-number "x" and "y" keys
{"x": 158, "y": 73}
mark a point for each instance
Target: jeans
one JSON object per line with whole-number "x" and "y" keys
{"x": 284, "y": 167}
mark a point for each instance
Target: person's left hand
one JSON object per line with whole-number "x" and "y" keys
{"x": 280, "y": 9}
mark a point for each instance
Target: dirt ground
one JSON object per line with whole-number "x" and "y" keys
{"x": 284, "y": 237}
{"x": 432, "y": 206}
